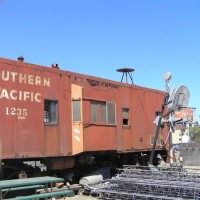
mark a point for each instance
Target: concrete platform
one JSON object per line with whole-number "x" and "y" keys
{"x": 79, "y": 197}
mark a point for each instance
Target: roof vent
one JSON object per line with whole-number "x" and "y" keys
{"x": 126, "y": 72}
{"x": 20, "y": 58}
{"x": 55, "y": 65}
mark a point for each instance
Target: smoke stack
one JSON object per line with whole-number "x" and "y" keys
{"x": 20, "y": 58}
{"x": 55, "y": 65}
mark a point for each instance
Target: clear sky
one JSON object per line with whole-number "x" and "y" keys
{"x": 96, "y": 37}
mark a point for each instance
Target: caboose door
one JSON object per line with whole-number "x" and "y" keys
{"x": 51, "y": 128}
{"x": 77, "y": 119}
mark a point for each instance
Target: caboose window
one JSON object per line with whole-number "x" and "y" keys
{"x": 110, "y": 113}
{"x": 50, "y": 111}
{"x": 125, "y": 116}
{"x": 76, "y": 110}
{"x": 94, "y": 111}
{"x": 103, "y": 112}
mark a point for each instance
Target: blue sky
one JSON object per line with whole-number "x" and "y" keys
{"x": 96, "y": 37}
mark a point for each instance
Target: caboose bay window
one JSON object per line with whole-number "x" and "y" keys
{"x": 94, "y": 111}
{"x": 103, "y": 112}
{"x": 110, "y": 107}
{"x": 50, "y": 111}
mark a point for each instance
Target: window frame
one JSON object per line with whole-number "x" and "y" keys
{"x": 50, "y": 122}
{"x": 80, "y": 116}
{"x": 126, "y": 118}
{"x": 102, "y": 115}
{"x": 113, "y": 104}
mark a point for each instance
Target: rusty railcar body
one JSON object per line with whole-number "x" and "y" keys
{"x": 67, "y": 120}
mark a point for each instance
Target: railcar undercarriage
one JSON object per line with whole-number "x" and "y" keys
{"x": 73, "y": 168}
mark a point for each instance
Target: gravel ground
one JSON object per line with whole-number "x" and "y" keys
{"x": 82, "y": 197}
{"x": 79, "y": 197}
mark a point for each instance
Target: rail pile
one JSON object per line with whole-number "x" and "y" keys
{"x": 140, "y": 182}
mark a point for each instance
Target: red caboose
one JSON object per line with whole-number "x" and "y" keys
{"x": 67, "y": 120}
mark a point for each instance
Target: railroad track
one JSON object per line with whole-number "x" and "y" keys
{"x": 137, "y": 182}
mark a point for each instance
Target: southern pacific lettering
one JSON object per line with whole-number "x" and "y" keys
{"x": 24, "y": 78}
{"x": 19, "y": 95}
